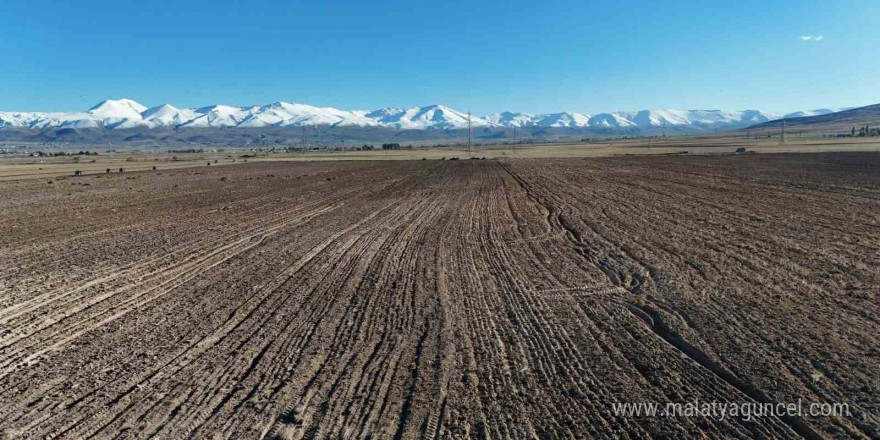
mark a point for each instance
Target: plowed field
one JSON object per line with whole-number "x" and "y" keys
{"x": 469, "y": 299}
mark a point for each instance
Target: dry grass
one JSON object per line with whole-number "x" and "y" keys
{"x": 29, "y": 167}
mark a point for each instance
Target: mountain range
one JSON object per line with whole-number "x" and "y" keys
{"x": 128, "y": 114}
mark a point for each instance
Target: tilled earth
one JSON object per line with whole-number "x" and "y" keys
{"x": 442, "y": 299}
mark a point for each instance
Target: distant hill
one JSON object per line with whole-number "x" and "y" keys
{"x": 315, "y": 136}
{"x": 832, "y": 124}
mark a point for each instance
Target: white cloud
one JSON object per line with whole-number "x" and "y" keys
{"x": 812, "y": 37}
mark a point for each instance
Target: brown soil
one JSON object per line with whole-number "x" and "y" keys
{"x": 431, "y": 299}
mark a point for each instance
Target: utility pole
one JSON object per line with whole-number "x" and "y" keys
{"x": 783, "y": 132}
{"x": 748, "y": 138}
{"x": 470, "y": 151}
{"x": 304, "y": 135}
{"x": 514, "y": 134}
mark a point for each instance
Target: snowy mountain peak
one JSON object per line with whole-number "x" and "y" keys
{"x": 167, "y": 115}
{"x": 511, "y": 119}
{"x": 159, "y": 108}
{"x": 564, "y": 119}
{"x": 434, "y": 116}
{"x": 119, "y": 108}
{"x": 113, "y": 114}
{"x": 610, "y": 120}
{"x": 816, "y": 112}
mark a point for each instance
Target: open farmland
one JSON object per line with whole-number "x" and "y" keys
{"x": 469, "y": 299}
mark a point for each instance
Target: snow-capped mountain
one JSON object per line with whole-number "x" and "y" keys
{"x": 817, "y": 112}
{"x": 564, "y": 119}
{"x": 126, "y": 113}
{"x": 610, "y": 120}
{"x": 700, "y": 118}
{"x": 167, "y": 115}
{"x": 120, "y": 109}
{"x": 430, "y": 117}
{"x": 510, "y": 119}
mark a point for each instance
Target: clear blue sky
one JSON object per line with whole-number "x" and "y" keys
{"x": 521, "y": 56}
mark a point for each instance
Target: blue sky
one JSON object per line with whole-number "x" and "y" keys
{"x": 521, "y": 56}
